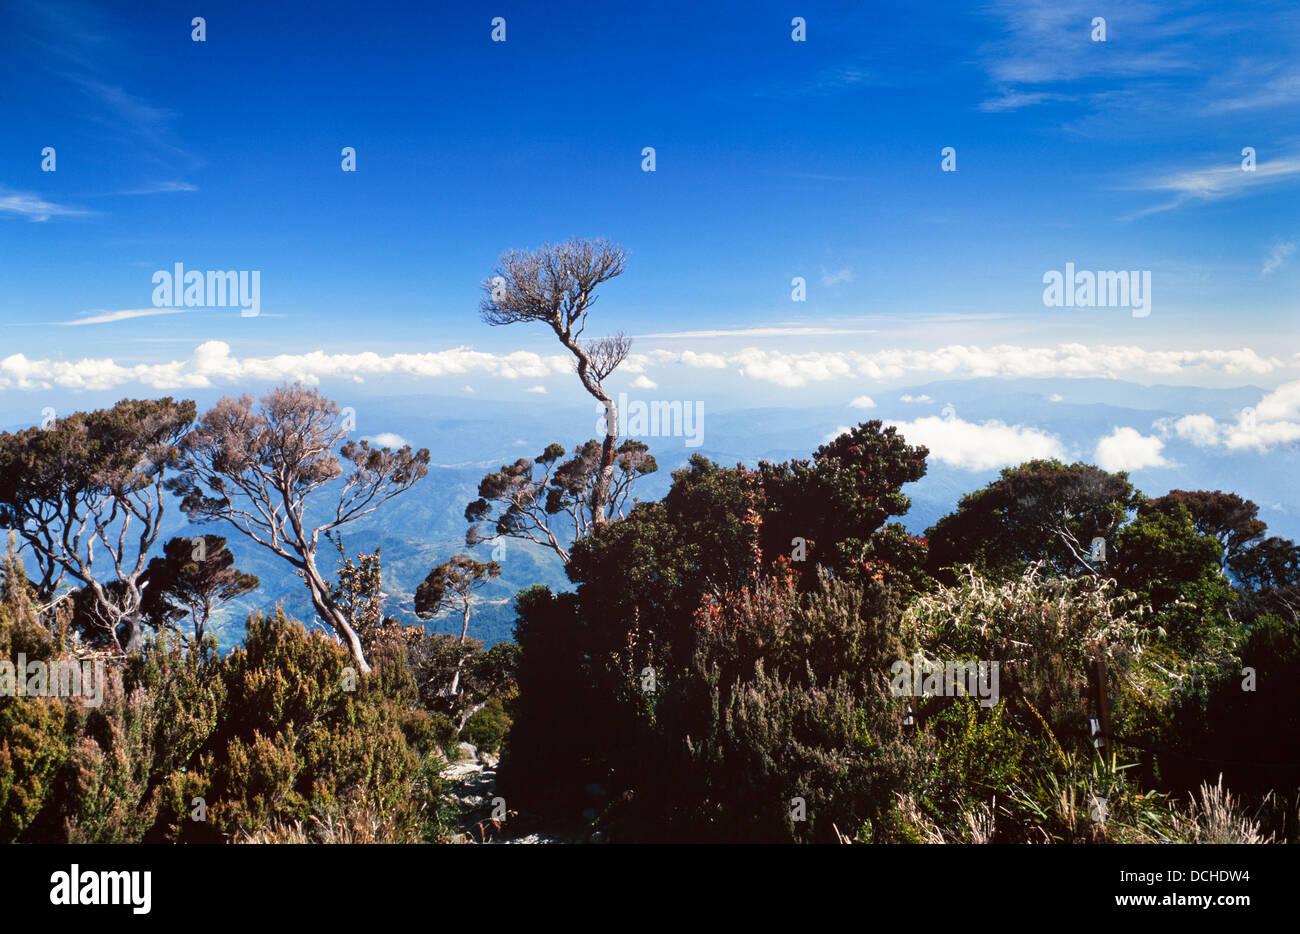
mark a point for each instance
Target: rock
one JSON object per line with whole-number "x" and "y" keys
{"x": 537, "y": 838}
{"x": 468, "y": 751}
{"x": 462, "y": 772}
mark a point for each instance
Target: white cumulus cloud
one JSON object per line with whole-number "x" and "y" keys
{"x": 387, "y": 439}
{"x": 706, "y": 361}
{"x": 1275, "y": 421}
{"x": 213, "y": 363}
{"x": 981, "y": 446}
{"x": 1201, "y": 430}
{"x": 1129, "y": 449}
{"x": 793, "y": 369}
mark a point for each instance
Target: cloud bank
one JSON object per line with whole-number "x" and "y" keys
{"x": 795, "y": 369}
{"x": 213, "y": 363}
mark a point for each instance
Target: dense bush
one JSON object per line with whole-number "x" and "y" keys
{"x": 281, "y": 731}
{"x": 769, "y": 686}
{"x": 786, "y": 698}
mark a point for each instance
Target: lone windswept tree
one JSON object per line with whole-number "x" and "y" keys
{"x": 556, "y": 285}
{"x": 192, "y": 578}
{"x": 260, "y": 467}
{"x": 548, "y": 502}
{"x": 451, "y": 586}
{"x": 86, "y": 496}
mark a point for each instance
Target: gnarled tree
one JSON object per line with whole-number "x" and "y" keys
{"x": 86, "y": 496}
{"x": 259, "y": 468}
{"x": 556, "y": 285}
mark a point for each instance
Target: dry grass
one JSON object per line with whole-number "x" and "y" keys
{"x": 980, "y": 822}
{"x": 355, "y": 822}
{"x": 1217, "y": 816}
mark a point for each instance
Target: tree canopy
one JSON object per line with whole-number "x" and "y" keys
{"x": 86, "y": 496}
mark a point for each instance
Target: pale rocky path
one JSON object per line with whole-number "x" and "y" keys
{"x": 474, "y": 777}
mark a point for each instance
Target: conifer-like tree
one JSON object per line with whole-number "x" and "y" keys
{"x": 193, "y": 577}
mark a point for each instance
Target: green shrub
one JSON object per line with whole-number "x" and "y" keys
{"x": 279, "y": 732}
{"x": 786, "y": 698}
{"x": 487, "y": 728}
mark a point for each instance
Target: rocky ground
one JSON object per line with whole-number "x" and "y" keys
{"x": 473, "y": 777}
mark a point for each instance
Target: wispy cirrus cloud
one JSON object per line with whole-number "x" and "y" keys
{"x": 159, "y": 188}
{"x": 1216, "y": 182}
{"x": 1162, "y": 59}
{"x": 1276, "y": 257}
{"x": 1008, "y": 99}
{"x": 34, "y": 207}
{"x": 85, "y": 45}
{"x": 831, "y": 278}
{"x": 125, "y": 108}
{"x": 1046, "y": 48}
{"x": 830, "y": 79}
{"x": 1254, "y": 85}
{"x": 125, "y": 314}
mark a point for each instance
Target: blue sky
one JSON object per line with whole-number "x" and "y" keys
{"x": 774, "y": 159}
